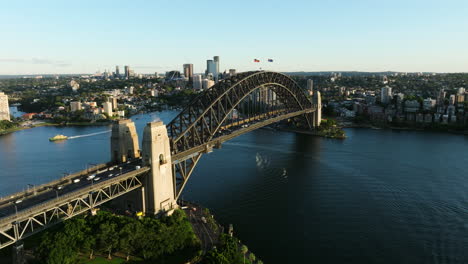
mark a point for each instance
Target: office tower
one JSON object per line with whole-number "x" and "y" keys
{"x": 188, "y": 71}
{"x": 75, "y": 106}
{"x": 210, "y": 68}
{"x": 127, "y": 71}
{"x": 197, "y": 82}
{"x": 216, "y": 62}
{"x": 117, "y": 71}
{"x": 386, "y": 95}
{"x": 4, "y": 108}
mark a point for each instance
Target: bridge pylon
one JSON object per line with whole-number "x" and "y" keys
{"x": 159, "y": 184}
{"x": 124, "y": 141}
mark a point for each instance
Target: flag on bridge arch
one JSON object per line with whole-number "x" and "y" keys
{"x": 270, "y": 60}
{"x": 255, "y": 60}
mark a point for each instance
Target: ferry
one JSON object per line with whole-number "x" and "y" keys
{"x": 58, "y": 137}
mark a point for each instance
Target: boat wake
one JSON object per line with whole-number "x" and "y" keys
{"x": 90, "y": 135}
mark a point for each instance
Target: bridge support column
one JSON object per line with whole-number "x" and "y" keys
{"x": 124, "y": 141}
{"x": 317, "y": 115}
{"x": 18, "y": 253}
{"x": 159, "y": 184}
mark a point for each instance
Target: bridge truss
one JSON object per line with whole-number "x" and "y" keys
{"x": 230, "y": 108}
{"x": 35, "y": 219}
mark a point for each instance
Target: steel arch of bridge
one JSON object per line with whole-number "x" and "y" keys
{"x": 197, "y": 125}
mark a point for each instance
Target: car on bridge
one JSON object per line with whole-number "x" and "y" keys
{"x": 90, "y": 177}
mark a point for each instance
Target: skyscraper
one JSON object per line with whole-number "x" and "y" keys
{"x": 211, "y": 68}
{"x": 127, "y": 71}
{"x": 216, "y": 62}
{"x": 117, "y": 72}
{"x": 386, "y": 94}
{"x": 4, "y": 108}
{"x": 188, "y": 71}
{"x": 197, "y": 82}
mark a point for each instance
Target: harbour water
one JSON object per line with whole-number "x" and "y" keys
{"x": 380, "y": 196}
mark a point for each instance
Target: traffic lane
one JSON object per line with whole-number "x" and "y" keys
{"x": 73, "y": 186}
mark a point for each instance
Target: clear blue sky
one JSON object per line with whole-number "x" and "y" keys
{"x": 332, "y": 35}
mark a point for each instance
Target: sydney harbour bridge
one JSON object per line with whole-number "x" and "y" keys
{"x": 152, "y": 179}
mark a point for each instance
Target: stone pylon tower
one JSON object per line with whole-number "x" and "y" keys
{"x": 159, "y": 184}
{"x": 124, "y": 141}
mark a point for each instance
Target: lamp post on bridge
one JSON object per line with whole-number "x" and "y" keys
{"x": 33, "y": 187}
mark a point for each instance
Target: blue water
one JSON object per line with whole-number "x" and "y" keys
{"x": 380, "y": 196}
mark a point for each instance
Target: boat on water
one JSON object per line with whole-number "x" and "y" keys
{"x": 58, "y": 137}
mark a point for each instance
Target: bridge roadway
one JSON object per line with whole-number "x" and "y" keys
{"x": 105, "y": 174}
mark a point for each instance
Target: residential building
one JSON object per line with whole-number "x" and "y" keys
{"x": 75, "y": 106}
{"x": 429, "y": 104}
{"x": 4, "y": 107}
{"x": 197, "y": 82}
{"x": 386, "y": 94}
{"x": 452, "y": 99}
{"x": 114, "y": 103}
{"x": 108, "y": 108}
{"x": 412, "y": 106}
{"x": 207, "y": 84}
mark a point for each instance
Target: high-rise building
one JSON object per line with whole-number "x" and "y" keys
{"x": 386, "y": 94}
{"x": 188, "y": 71}
{"x": 441, "y": 97}
{"x": 210, "y": 68}
{"x": 114, "y": 103}
{"x": 452, "y": 99}
{"x": 117, "y": 72}
{"x": 310, "y": 87}
{"x": 75, "y": 106}
{"x": 127, "y": 71}
{"x": 232, "y": 72}
{"x": 197, "y": 82}
{"x": 107, "y": 108}
{"x": 4, "y": 107}
{"x": 216, "y": 62}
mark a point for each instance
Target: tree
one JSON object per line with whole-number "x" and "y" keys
{"x": 108, "y": 237}
{"x": 128, "y": 237}
{"x": 244, "y": 250}
{"x": 252, "y": 257}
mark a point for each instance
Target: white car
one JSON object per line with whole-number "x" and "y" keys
{"x": 137, "y": 167}
{"x": 97, "y": 179}
{"x": 76, "y": 180}
{"x": 90, "y": 177}
{"x": 110, "y": 175}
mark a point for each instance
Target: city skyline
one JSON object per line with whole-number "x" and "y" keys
{"x": 421, "y": 36}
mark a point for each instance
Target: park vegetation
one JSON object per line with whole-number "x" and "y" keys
{"x": 108, "y": 235}
{"x": 230, "y": 251}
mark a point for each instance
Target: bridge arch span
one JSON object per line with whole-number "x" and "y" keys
{"x": 199, "y": 122}
{"x": 205, "y": 116}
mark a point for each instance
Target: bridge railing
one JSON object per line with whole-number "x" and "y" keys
{"x": 63, "y": 199}
{"x": 5, "y": 200}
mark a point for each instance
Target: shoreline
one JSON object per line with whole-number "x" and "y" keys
{"x": 19, "y": 128}
{"x": 368, "y": 126}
